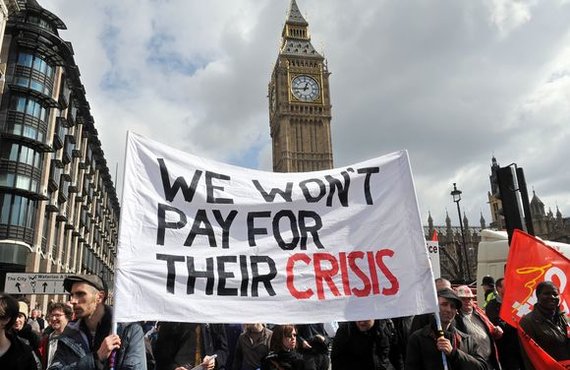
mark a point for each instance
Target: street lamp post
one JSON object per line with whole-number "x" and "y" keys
{"x": 456, "y": 194}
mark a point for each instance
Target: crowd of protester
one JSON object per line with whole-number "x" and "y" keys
{"x": 77, "y": 335}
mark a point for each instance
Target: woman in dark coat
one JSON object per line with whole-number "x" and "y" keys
{"x": 283, "y": 353}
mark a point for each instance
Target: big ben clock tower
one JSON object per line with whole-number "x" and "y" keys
{"x": 299, "y": 102}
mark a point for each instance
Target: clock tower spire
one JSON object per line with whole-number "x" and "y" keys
{"x": 299, "y": 101}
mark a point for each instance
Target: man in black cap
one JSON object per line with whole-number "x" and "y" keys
{"x": 88, "y": 342}
{"x": 425, "y": 346}
{"x": 489, "y": 293}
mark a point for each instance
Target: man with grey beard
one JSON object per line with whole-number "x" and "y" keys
{"x": 472, "y": 320}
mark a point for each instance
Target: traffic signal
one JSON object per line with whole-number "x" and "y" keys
{"x": 514, "y": 198}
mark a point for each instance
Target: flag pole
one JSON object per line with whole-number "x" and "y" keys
{"x": 439, "y": 335}
{"x": 112, "y": 357}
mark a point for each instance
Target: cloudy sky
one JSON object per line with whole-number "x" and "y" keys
{"x": 453, "y": 82}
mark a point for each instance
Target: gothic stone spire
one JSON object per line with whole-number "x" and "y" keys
{"x": 294, "y": 16}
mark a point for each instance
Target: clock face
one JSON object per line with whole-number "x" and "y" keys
{"x": 305, "y": 88}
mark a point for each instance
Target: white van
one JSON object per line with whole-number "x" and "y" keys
{"x": 492, "y": 256}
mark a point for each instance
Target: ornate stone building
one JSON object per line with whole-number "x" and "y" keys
{"x": 449, "y": 238}
{"x": 299, "y": 101}
{"x": 58, "y": 207}
{"x": 546, "y": 225}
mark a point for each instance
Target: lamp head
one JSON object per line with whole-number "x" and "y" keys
{"x": 456, "y": 194}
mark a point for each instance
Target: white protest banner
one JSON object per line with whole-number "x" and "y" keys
{"x": 205, "y": 241}
{"x": 433, "y": 254}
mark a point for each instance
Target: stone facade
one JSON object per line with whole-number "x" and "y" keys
{"x": 450, "y": 242}
{"x": 59, "y": 211}
{"x": 299, "y": 102}
{"x": 547, "y": 225}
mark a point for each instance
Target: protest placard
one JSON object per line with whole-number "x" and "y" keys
{"x": 210, "y": 242}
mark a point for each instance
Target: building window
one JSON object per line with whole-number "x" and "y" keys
{"x": 19, "y": 181}
{"x": 27, "y": 118}
{"x": 55, "y": 243}
{"x": 55, "y": 174}
{"x": 29, "y": 106}
{"x": 36, "y": 63}
{"x": 35, "y": 73}
{"x": 25, "y": 130}
{"x": 45, "y": 232}
{"x": 17, "y": 211}
{"x": 68, "y": 147}
{"x": 42, "y": 23}
{"x": 15, "y": 152}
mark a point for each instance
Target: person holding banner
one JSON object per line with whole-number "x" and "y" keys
{"x": 89, "y": 343}
{"x": 547, "y": 325}
{"x": 314, "y": 346}
{"x": 426, "y": 345}
{"x": 183, "y": 345}
{"x": 419, "y": 321}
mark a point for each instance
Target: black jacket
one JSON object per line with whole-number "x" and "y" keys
{"x": 551, "y": 334}
{"x": 422, "y": 353}
{"x": 508, "y": 345}
{"x": 29, "y": 337}
{"x": 176, "y": 344}
{"x": 354, "y": 349}
{"x": 283, "y": 360}
{"x": 19, "y": 356}
{"x": 309, "y": 332}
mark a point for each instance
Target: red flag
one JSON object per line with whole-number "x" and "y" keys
{"x": 434, "y": 236}
{"x": 537, "y": 356}
{"x": 530, "y": 262}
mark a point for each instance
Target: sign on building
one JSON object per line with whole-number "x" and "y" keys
{"x": 34, "y": 283}
{"x": 433, "y": 254}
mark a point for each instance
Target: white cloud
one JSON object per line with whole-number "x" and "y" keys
{"x": 452, "y": 82}
{"x": 507, "y": 15}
